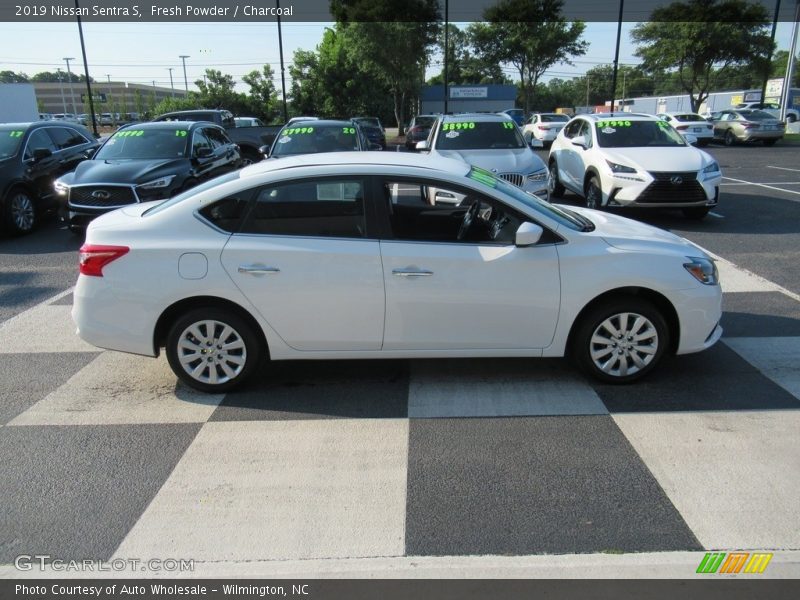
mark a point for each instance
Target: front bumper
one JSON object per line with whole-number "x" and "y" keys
{"x": 700, "y": 311}
{"x": 645, "y": 190}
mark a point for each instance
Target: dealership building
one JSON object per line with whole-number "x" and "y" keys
{"x": 113, "y": 97}
{"x": 468, "y": 98}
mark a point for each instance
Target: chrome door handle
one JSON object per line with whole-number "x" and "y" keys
{"x": 409, "y": 272}
{"x": 258, "y": 270}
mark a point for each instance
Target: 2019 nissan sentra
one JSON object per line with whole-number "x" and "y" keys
{"x": 342, "y": 257}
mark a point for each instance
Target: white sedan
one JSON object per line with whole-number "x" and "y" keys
{"x": 689, "y": 123}
{"x": 543, "y": 128}
{"x": 339, "y": 256}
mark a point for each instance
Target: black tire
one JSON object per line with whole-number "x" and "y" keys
{"x": 730, "y": 138}
{"x": 19, "y": 212}
{"x": 593, "y": 194}
{"x": 791, "y": 118}
{"x": 703, "y": 143}
{"x": 769, "y": 142}
{"x": 230, "y": 368}
{"x": 590, "y": 328}
{"x": 697, "y": 213}
{"x": 554, "y": 187}
{"x": 249, "y": 158}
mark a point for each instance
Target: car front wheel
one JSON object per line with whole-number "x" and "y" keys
{"x": 554, "y": 187}
{"x": 620, "y": 340}
{"x": 730, "y": 138}
{"x": 19, "y": 212}
{"x": 212, "y": 350}
{"x": 594, "y": 194}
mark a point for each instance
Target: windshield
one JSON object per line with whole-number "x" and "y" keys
{"x": 563, "y": 217}
{"x": 615, "y": 133}
{"x": 313, "y": 138}
{"x": 145, "y": 144}
{"x": 424, "y": 121}
{"x": 368, "y": 121}
{"x": 10, "y": 140}
{"x": 688, "y": 117}
{"x": 554, "y": 118}
{"x": 478, "y": 135}
{"x": 758, "y": 115}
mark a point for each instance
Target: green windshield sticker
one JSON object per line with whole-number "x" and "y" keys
{"x": 508, "y": 126}
{"x": 298, "y": 130}
{"x": 483, "y": 176}
{"x": 601, "y": 124}
{"x": 180, "y": 133}
{"x": 459, "y": 125}
{"x": 664, "y": 124}
{"x": 131, "y": 133}
{"x": 16, "y": 134}
{"x": 349, "y": 130}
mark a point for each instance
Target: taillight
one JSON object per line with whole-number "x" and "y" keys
{"x": 682, "y": 127}
{"x": 544, "y": 128}
{"x": 750, "y": 125}
{"x": 92, "y": 258}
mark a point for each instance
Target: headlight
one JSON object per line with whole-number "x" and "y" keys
{"x": 712, "y": 168}
{"x": 538, "y": 176}
{"x": 161, "y": 182}
{"x": 617, "y": 168}
{"x": 702, "y": 269}
{"x": 61, "y": 189}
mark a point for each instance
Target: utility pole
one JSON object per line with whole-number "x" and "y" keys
{"x": 71, "y": 91}
{"x": 61, "y": 87}
{"x": 616, "y": 56}
{"x": 86, "y": 70}
{"x": 280, "y": 50}
{"x": 446, "y": 48}
{"x": 171, "y": 84}
{"x": 183, "y": 57}
{"x": 790, "y": 64}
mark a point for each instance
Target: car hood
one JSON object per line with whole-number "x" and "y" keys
{"x": 633, "y": 236}
{"x": 126, "y": 171}
{"x": 501, "y": 160}
{"x": 680, "y": 158}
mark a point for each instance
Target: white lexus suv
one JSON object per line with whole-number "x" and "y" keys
{"x": 625, "y": 159}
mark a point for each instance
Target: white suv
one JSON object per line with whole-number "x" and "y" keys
{"x": 625, "y": 159}
{"x": 492, "y": 142}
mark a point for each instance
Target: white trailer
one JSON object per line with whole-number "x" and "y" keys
{"x": 18, "y": 103}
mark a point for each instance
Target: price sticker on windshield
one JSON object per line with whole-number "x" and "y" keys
{"x": 613, "y": 123}
{"x": 349, "y": 130}
{"x": 131, "y": 133}
{"x": 458, "y": 126}
{"x": 298, "y": 131}
{"x": 180, "y": 133}
{"x": 508, "y": 126}
{"x": 16, "y": 134}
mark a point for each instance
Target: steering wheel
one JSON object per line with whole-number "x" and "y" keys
{"x": 469, "y": 217}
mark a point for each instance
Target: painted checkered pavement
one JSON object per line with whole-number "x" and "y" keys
{"x": 105, "y": 455}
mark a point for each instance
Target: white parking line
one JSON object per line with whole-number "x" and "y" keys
{"x": 765, "y": 183}
{"x": 718, "y": 216}
{"x": 769, "y": 187}
{"x": 783, "y": 168}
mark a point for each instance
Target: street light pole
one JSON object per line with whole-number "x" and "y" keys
{"x": 616, "y": 56}
{"x": 280, "y": 50}
{"x": 183, "y": 57}
{"x": 790, "y": 65}
{"x": 71, "y": 91}
{"x": 61, "y": 87}
{"x": 171, "y": 84}
{"x": 86, "y": 70}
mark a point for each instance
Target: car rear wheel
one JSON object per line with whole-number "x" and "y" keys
{"x": 620, "y": 340}
{"x": 698, "y": 213}
{"x": 730, "y": 138}
{"x": 554, "y": 187}
{"x": 212, "y": 349}
{"x": 791, "y": 118}
{"x": 19, "y": 212}
{"x": 594, "y": 194}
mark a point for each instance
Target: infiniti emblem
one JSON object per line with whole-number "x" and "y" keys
{"x": 101, "y": 195}
{"x": 676, "y": 180}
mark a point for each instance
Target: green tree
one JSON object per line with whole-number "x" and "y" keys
{"x": 53, "y": 77}
{"x": 688, "y": 39}
{"x": 12, "y": 77}
{"x": 531, "y": 35}
{"x": 464, "y": 67}
{"x": 263, "y": 97}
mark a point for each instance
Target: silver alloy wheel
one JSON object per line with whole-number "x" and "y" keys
{"x": 552, "y": 181}
{"x": 211, "y": 352}
{"x": 624, "y": 344}
{"x": 22, "y": 211}
{"x": 594, "y": 197}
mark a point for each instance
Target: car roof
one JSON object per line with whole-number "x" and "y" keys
{"x": 41, "y": 124}
{"x": 169, "y": 125}
{"x": 681, "y": 112}
{"x": 617, "y": 115}
{"x": 386, "y": 159}
{"x": 330, "y": 122}
{"x": 488, "y": 117}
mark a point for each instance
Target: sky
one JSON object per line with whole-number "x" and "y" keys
{"x": 143, "y": 52}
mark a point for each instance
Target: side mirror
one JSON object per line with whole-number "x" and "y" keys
{"x": 264, "y": 150}
{"x": 423, "y": 145}
{"x": 204, "y": 152}
{"x": 89, "y": 153}
{"x": 41, "y": 154}
{"x": 528, "y": 234}
{"x": 690, "y": 139}
{"x": 579, "y": 140}
{"x": 374, "y": 146}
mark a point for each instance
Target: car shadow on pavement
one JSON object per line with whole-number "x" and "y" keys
{"x": 44, "y": 240}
